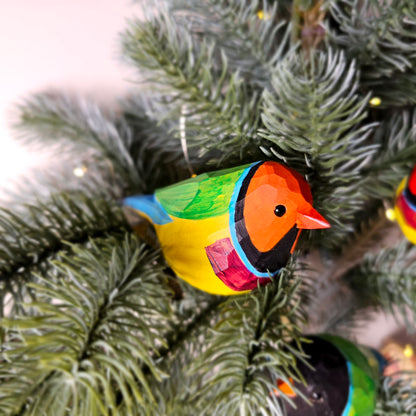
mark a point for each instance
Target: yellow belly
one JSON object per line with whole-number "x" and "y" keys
{"x": 183, "y": 244}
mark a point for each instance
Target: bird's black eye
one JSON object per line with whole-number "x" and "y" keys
{"x": 280, "y": 210}
{"x": 317, "y": 397}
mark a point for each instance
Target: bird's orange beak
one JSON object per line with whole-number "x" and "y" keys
{"x": 285, "y": 388}
{"x": 310, "y": 219}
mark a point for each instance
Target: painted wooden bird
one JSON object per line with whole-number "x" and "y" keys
{"x": 341, "y": 379}
{"x": 405, "y": 206}
{"x": 228, "y": 231}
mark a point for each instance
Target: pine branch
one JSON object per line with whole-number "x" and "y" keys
{"x": 89, "y": 347}
{"x": 397, "y": 138}
{"x": 194, "y": 318}
{"x": 397, "y": 396}
{"x": 29, "y": 239}
{"x": 131, "y": 152}
{"x": 48, "y": 117}
{"x": 184, "y": 329}
{"x": 335, "y": 306}
{"x": 315, "y": 115}
{"x": 380, "y": 35}
{"x": 253, "y": 45}
{"x": 397, "y": 91}
{"x": 158, "y": 157}
{"x": 219, "y": 112}
{"x": 251, "y": 346}
{"x": 387, "y": 279}
{"x": 176, "y": 391}
{"x": 99, "y": 332}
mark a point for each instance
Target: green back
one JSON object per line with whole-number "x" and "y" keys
{"x": 203, "y": 196}
{"x": 363, "y": 377}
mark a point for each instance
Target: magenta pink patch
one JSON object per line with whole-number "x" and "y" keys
{"x": 228, "y": 266}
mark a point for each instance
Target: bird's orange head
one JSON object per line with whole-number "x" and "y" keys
{"x": 278, "y": 199}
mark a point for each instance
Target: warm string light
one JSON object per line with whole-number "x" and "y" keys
{"x": 80, "y": 171}
{"x": 263, "y": 16}
{"x": 390, "y": 214}
{"x": 408, "y": 351}
{"x": 375, "y": 101}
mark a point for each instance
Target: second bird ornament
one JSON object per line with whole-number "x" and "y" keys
{"x": 404, "y": 211}
{"x": 227, "y": 231}
{"x": 341, "y": 379}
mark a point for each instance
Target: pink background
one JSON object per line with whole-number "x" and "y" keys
{"x": 63, "y": 44}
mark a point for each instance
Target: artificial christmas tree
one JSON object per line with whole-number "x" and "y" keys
{"x": 94, "y": 320}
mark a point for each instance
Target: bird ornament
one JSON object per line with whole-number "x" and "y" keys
{"x": 341, "y": 379}
{"x": 404, "y": 211}
{"x": 228, "y": 231}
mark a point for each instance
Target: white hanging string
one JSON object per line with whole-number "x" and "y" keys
{"x": 182, "y": 132}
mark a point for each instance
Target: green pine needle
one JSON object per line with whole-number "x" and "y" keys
{"x": 252, "y": 44}
{"x": 89, "y": 350}
{"x": 96, "y": 325}
{"x": 397, "y": 396}
{"x": 254, "y": 342}
{"x": 220, "y": 114}
{"x": 38, "y": 233}
{"x": 50, "y": 116}
{"x": 314, "y": 118}
{"x": 395, "y": 157}
{"x": 380, "y": 35}
{"x": 120, "y": 141}
{"x": 387, "y": 279}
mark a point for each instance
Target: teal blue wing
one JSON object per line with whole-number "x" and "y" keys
{"x": 147, "y": 205}
{"x": 201, "y": 197}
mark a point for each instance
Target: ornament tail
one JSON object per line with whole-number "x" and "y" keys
{"x": 149, "y": 207}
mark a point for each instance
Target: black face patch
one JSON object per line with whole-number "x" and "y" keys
{"x": 269, "y": 261}
{"x": 328, "y": 383}
{"x": 409, "y": 196}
